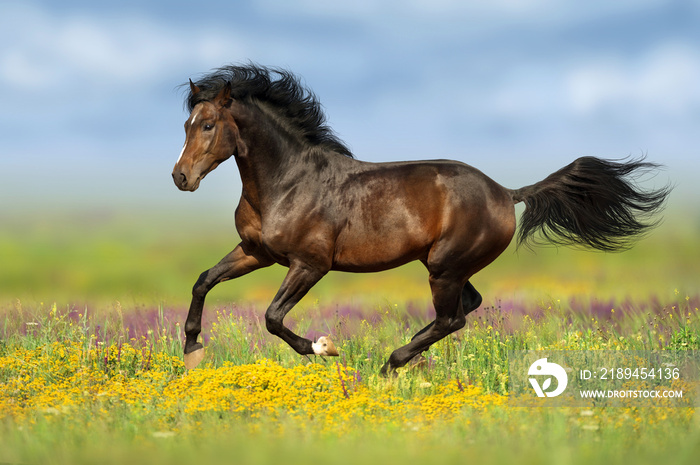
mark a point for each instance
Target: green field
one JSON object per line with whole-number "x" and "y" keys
{"x": 91, "y": 308}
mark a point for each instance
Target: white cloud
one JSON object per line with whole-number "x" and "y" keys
{"x": 664, "y": 81}
{"x": 649, "y": 89}
{"x": 41, "y": 51}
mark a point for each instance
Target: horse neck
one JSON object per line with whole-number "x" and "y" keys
{"x": 274, "y": 158}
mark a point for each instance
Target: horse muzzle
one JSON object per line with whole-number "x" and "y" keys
{"x": 184, "y": 183}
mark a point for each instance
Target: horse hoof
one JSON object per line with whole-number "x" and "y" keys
{"x": 388, "y": 371}
{"x": 194, "y": 358}
{"x": 324, "y": 346}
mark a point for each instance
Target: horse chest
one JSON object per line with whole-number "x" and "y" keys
{"x": 272, "y": 241}
{"x": 248, "y": 225}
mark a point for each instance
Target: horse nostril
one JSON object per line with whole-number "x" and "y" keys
{"x": 179, "y": 178}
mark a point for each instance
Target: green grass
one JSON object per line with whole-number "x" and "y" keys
{"x": 521, "y": 438}
{"x": 478, "y": 355}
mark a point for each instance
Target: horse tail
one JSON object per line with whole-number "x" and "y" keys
{"x": 591, "y": 202}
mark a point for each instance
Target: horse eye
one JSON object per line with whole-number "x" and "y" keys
{"x": 208, "y": 127}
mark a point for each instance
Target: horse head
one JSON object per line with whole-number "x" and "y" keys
{"x": 211, "y": 137}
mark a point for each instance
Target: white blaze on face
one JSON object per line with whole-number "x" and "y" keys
{"x": 182, "y": 152}
{"x": 195, "y": 116}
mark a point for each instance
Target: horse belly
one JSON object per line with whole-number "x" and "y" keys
{"x": 366, "y": 246}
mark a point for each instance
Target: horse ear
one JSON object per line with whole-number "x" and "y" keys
{"x": 224, "y": 96}
{"x": 193, "y": 88}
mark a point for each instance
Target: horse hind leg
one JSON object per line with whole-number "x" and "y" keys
{"x": 471, "y": 300}
{"x": 449, "y": 317}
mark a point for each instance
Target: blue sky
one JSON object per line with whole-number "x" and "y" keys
{"x": 91, "y": 114}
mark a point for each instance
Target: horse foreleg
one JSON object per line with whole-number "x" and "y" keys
{"x": 235, "y": 264}
{"x": 449, "y": 317}
{"x": 300, "y": 278}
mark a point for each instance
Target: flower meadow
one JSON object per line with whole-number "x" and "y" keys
{"x": 108, "y": 385}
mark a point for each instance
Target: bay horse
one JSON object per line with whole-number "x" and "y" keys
{"x": 309, "y": 205}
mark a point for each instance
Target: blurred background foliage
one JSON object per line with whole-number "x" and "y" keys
{"x": 141, "y": 257}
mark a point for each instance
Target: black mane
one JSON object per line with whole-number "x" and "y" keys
{"x": 280, "y": 89}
